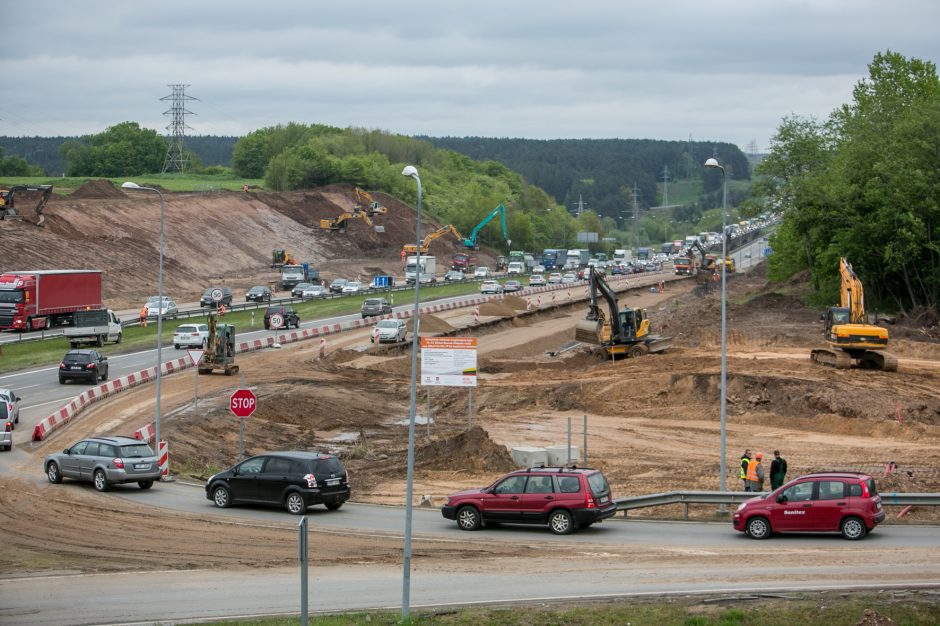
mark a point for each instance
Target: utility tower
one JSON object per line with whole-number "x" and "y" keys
{"x": 636, "y": 231}
{"x": 665, "y": 185}
{"x": 580, "y": 206}
{"x": 176, "y": 160}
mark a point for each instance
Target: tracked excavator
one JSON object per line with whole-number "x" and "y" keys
{"x": 220, "y": 350}
{"x": 852, "y": 340}
{"x": 366, "y": 208}
{"x": 8, "y": 201}
{"x": 623, "y": 332}
{"x": 409, "y": 248}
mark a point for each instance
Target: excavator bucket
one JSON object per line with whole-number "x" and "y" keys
{"x": 586, "y": 331}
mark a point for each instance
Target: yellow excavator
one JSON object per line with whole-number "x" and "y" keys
{"x": 366, "y": 208}
{"x": 852, "y": 340}
{"x": 409, "y": 248}
{"x": 618, "y": 332}
{"x": 8, "y": 201}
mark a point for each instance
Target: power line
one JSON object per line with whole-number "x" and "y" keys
{"x": 176, "y": 159}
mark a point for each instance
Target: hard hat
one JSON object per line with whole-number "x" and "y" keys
{"x": 759, "y": 455}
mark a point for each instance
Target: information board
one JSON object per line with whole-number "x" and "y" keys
{"x": 449, "y": 361}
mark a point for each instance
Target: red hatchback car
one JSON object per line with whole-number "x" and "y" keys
{"x": 565, "y": 498}
{"x": 844, "y": 502}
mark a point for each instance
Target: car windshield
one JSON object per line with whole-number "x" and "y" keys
{"x": 187, "y": 329}
{"x": 256, "y": 290}
{"x": 136, "y": 451}
{"x": 77, "y": 358}
{"x": 598, "y": 484}
{"x": 372, "y": 302}
{"x": 11, "y": 297}
{"x": 388, "y": 324}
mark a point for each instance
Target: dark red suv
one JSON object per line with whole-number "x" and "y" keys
{"x": 844, "y": 502}
{"x": 565, "y": 498}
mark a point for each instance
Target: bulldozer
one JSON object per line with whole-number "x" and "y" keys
{"x": 365, "y": 209}
{"x": 852, "y": 340}
{"x": 618, "y": 332}
{"x": 220, "y": 350}
{"x": 8, "y": 201}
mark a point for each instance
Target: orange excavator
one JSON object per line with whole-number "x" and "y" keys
{"x": 409, "y": 248}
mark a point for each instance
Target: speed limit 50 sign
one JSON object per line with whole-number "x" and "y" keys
{"x": 243, "y": 403}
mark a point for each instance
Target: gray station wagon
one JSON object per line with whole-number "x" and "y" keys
{"x": 105, "y": 461}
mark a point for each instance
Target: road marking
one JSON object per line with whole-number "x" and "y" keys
{"x": 60, "y": 400}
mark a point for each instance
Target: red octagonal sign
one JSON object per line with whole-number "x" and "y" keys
{"x": 243, "y": 403}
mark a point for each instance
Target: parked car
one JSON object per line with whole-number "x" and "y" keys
{"x": 298, "y": 290}
{"x": 89, "y": 365}
{"x": 288, "y": 315}
{"x": 314, "y": 291}
{"x": 191, "y": 336}
{"x": 454, "y": 276}
{"x": 390, "y": 331}
{"x": 554, "y": 278}
{"x": 490, "y": 286}
{"x": 105, "y": 461}
{"x": 512, "y": 285}
{"x": 154, "y": 309}
{"x": 569, "y": 278}
{"x": 6, "y": 428}
{"x": 294, "y": 480}
{"x": 375, "y": 306}
{"x": 537, "y": 280}
{"x": 352, "y": 286}
{"x": 258, "y": 293}
{"x": 482, "y": 272}
{"x": 207, "y": 301}
{"x": 12, "y": 402}
{"x": 337, "y": 285}
{"x": 843, "y": 502}
{"x": 565, "y": 498}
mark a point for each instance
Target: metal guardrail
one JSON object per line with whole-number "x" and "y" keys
{"x": 737, "y": 497}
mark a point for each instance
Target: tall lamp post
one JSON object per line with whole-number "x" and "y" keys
{"x": 130, "y": 185}
{"x": 713, "y": 164}
{"x": 412, "y": 172}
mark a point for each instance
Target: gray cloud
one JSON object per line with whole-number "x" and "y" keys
{"x": 722, "y": 70}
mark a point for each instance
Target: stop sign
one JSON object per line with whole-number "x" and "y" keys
{"x": 243, "y": 403}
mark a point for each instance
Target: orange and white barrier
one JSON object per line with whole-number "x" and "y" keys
{"x": 164, "y": 459}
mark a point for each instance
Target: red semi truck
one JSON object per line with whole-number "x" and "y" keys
{"x": 36, "y": 299}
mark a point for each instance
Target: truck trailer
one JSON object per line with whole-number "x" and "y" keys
{"x": 37, "y": 299}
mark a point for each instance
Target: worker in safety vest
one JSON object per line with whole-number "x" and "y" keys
{"x": 222, "y": 310}
{"x": 745, "y": 458}
{"x": 143, "y": 316}
{"x": 755, "y": 473}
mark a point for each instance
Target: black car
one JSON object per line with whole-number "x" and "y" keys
{"x": 259, "y": 293}
{"x": 298, "y": 290}
{"x": 294, "y": 480}
{"x": 224, "y": 293}
{"x": 288, "y": 315}
{"x": 88, "y": 365}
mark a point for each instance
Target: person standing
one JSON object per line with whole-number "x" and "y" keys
{"x": 778, "y": 470}
{"x": 743, "y": 473}
{"x": 755, "y": 473}
{"x": 143, "y": 316}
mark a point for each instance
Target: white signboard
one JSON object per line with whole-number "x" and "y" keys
{"x": 449, "y": 361}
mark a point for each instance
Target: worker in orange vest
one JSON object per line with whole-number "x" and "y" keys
{"x": 755, "y": 473}
{"x": 143, "y": 316}
{"x": 222, "y": 310}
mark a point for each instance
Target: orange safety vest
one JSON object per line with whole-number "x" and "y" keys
{"x": 752, "y": 470}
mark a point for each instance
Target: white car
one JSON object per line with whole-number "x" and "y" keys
{"x": 536, "y": 280}
{"x": 569, "y": 278}
{"x": 482, "y": 272}
{"x": 554, "y": 278}
{"x": 13, "y": 404}
{"x": 314, "y": 291}
{"x": 490, "y": 286}
{"x": 169, "y": 308}
{"x": 352, "y": 286}
{"x": 387, "y": 331}
{"x": 191, "y": 336}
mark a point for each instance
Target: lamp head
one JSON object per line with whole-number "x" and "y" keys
{"x": 130, "y": 185}
{"x": 410, "y": 170}
{"x": 713, "y": 163}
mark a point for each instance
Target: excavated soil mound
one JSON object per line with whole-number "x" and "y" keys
{"x": 433, "y": 324}
{"x": 497, "y": 308}
{"x": 469, "y": 451}
{"x": 96, "y": 189}
{"x": 517, "y": 303}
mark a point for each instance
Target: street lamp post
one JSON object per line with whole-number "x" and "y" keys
{"x": 130, "y": 185}
{"x": 713, "y": 163}
{"x": 412, "y": 172}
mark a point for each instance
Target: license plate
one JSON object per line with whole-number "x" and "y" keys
{"x": 332, "y": 481}
{"x": 75, "y": 367}
{"x": 141, "y": 466}
{"x": 605, "y": 500}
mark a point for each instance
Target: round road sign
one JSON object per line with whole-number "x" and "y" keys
{"x": 243, "y": 403}
{"x": 276, "y": 321}
{"x": 216, "y": 295}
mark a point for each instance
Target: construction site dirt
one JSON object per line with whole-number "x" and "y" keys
{"x": 652, "y": 422}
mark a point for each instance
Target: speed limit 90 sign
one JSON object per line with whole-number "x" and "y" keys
{"x": 243, "y": 403}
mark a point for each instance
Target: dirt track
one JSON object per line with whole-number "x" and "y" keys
{"x": 653, "y": 422}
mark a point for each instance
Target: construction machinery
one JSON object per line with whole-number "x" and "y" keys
{"x": 409, "y": 248}
{"x": 618, "y": 332}
{"x": 365, "y": 209}
{"x": 852, "y": 340}
{"x": 471, "y": 241}
{"x": 280, "y": 258}
{"x": 8, "y": 201}
{"x": 220, "y": 348}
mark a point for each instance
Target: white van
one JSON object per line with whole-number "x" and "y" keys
{"x": 516, "y": 267}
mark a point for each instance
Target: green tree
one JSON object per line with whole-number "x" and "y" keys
{"x": 125, "y": 149}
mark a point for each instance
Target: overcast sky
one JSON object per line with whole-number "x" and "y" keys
{"x": 719, "y": 70}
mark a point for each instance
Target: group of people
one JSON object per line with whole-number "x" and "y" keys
{"x": 752, "y": 471}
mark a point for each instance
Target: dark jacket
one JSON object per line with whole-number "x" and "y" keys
{"x": 778, "y": 472}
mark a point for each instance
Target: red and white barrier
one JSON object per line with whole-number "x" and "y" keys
{"x": 164, "y": 459}
{"x": 145, "y": 433}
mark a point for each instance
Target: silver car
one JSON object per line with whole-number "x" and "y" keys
{"x": 105, "y": 461}
{"x": 393, "y": 331}
{"x": 191, "y": 336}
{"x": 12, "y": 402}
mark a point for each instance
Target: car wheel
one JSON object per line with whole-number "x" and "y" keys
{"x": 119, "y": 337}
{"x": 222, "y": 497}
{"x": 176, "y": 346}
{"x": 61, "y": 380}
{"x": 334, "y": 506}
{"x": 295, "y": 503}
{"x": 145, "y": 484}
{"x": 100, "y": 480}
{"x": 53, "y": 473}
{"x": 853, "y": 528}
{"x": 468, "y": 518}
{"x": 561, "y": 522}
{"x": 758, "y": 528}
{"x": 105, "y": 375}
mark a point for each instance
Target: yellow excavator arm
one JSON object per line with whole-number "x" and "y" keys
{"x": 410, "y": 248}
{"x": 853, "y": 295}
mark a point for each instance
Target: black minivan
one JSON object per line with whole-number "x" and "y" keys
{"x": 294, "y": 480}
